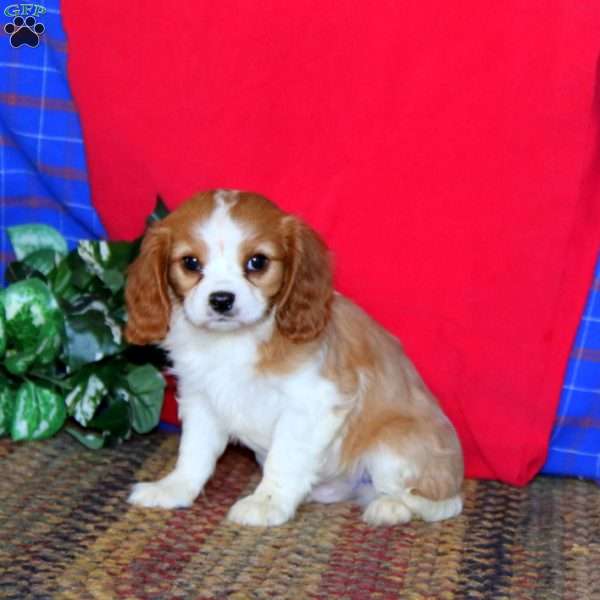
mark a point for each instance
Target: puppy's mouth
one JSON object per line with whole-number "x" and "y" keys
{"x": 223, "y": 317}
{"x": 231, "y": 322}
{"x": 225, "y": 322}
{"x": 234, "y": 319}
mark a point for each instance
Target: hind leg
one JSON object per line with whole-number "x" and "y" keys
{"x": 389, "y": 474}
{"x": 396, "y": 501}
{"x": 386, "y": 510}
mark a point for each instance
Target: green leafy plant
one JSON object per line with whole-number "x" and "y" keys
{"x": 64, "y": 361}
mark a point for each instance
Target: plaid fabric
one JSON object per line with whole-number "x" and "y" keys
{"x": 43, "y": 175}
{"x": 575, "y": 443}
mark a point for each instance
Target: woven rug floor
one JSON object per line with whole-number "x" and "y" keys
{"x": 67, "y": 532}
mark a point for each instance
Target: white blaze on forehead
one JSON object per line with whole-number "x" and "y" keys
{"x": 226, "y": 197}
{"x": 221, "y": 234}
{"x": 223, "y": 238}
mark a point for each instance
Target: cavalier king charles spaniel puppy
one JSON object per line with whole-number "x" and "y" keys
{"x": 266, "y": 353}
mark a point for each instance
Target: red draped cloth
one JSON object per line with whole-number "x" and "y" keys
{"x": 446, "y": 151}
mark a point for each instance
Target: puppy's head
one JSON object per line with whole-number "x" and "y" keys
{"x": 229, "y": 259}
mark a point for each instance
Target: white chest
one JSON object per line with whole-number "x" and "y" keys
{"x": 220, "y": 370}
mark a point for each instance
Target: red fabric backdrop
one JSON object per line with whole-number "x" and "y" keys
{"x": 445, "y": 151}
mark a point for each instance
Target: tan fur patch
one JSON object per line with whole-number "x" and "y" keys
{"x": 303, "y": 298}
{"x": 279, "y": 355}
{"x": 270, "y": 279}
{"x": 304, "y": 306}
{"x": 261, "y": 220}
{"x": 182, "y": 280}
{"x": 147, "y": 292}
{"x": 391, "y": 407}
{"x": 154, "y": 278}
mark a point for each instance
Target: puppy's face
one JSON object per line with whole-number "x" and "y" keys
{"x": 229, "y": 259}
{"x": 228, "y": 267}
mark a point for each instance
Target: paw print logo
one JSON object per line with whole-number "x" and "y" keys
{"x": 24, "y": 32}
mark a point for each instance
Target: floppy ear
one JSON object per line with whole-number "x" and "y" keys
{"x": 304, "y": 304}
{"x": 146, "y": 292}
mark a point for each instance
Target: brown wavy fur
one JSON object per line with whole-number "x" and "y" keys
{"x": 147, "y": 291}
{"x": 304, "y": 305}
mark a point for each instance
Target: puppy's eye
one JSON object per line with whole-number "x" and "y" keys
{"x": 191, "y": 263}
{"x": 256, "y": 263}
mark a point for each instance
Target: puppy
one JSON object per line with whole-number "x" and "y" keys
{"x": 266, "y": 353}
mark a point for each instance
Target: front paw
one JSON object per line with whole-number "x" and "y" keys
{"x": 165, "y": 493}
{"x": 259, "y": 510}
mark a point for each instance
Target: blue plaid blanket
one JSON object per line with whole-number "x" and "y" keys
{"x": 43, "y": 176}
{"x": 575, "y": 442}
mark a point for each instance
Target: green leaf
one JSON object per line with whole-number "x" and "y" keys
{"x": 2, "y": 328}
{"x": 59, "y": 279}
{"x": 90, "y": 337}
{"x": 43, "y": 261}
{"x": 39, "y": 413}
{"x": 147, "y": 387}
{"x": 113, "y": 279}
{"x": 95, "y": 255}
{"x": 80, "y": 276}
{"x": 26, "y": 239}
{"x": 107, "y": 261}
{"x": 52, "y": 375}
{"x": 90, "y": 439}
{"x": 85, "y": 397}
{"x": 98, "y": 302}
{"x": 17, "y": 363}
{"x": 19, "y": 270}
{"x": 121, "y": 254}
{"x": 113, "y": 419}
{"x": 7, "y": 407}
{"x": 34, "y": 325}
{"x": 160, "y": 211}
{"x": 61, "y": 329}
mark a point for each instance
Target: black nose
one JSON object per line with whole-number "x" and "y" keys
{"x": 221, "y": 301}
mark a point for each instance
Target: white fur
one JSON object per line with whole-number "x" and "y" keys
{"x": 395, "y": 503}
{"x": 294, "y": 422}
{"x": 221, "y": 398}
{"x": 223, "y": 272}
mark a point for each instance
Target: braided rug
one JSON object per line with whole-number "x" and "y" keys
{"x": 66, "y": 531}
